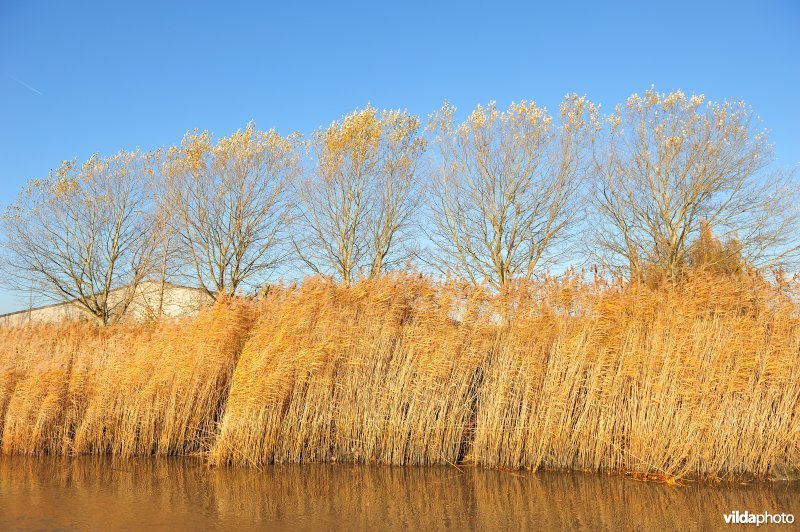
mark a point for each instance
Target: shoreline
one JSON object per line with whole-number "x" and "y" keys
{"x": 695, "y": 382}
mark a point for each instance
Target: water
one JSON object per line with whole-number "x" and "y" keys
{"x": 182, "y": 494}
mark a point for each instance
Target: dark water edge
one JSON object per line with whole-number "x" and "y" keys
{"x": 95, "y": 493}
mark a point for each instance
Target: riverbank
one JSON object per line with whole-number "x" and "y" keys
{"x": 697, "y": 381}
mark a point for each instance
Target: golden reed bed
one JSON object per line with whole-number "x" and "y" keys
{"x": 696, "y": 381}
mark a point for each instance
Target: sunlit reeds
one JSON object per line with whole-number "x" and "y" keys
{"x": 377, "y": 372}
{"x": 697, "y": 380}
{"x": 125, "y": 390}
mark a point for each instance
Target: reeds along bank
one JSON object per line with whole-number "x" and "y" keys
{"x": 701, "y": 379}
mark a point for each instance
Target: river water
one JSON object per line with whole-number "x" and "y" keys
{"x": 91, "y": 493}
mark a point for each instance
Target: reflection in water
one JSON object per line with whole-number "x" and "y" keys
{"x": 99, "y": 493}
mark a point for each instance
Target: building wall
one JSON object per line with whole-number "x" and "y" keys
{"x": 177, "y": 301}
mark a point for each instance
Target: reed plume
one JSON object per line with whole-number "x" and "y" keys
{"x": 124, "y": 390}
{"x": 699, "y": 379}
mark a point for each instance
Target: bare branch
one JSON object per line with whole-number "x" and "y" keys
{"x": 356, "y": 207}
{"x": 506, "y": 189}
{"x": 85, "y": 234}
{"x": 669, "y": 163}
{"x": 227, "y": 205}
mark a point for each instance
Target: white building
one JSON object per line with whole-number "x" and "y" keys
{"x": 146, "y": 304}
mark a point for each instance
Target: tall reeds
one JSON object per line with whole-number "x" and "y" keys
{"x": 376, "y": 372}
{"x": 697, "y": 380}
{"x": 124, "y": 390}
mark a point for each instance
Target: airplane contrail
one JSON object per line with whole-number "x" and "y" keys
{"x": 37, "y": 91}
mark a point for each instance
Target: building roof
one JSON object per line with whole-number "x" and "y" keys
{"x": 72, "y": 301}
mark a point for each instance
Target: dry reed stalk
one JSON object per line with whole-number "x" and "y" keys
{"x": 700, "y": 380}
{"x": 697, "y": 380}
{"x": 125, "y": 390}
{"x": 376, "y": 372}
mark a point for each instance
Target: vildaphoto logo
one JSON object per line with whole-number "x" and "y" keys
{"x": 765, "y": 518}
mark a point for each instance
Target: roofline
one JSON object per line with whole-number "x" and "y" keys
{"x": 61, "y": 303}
{"x": 51, "y": 305}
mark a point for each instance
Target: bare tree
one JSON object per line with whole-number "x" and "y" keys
{"x": 84, "y": 234}
{"x": 669, "y": 164}
{"x": 356, "y": 205}
{"x": 227, "y": 205}
{"x": 163, "y": 255}
{"x": 506, "y": 187}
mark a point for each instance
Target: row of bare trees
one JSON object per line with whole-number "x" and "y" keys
{"x": 501, "y": 195}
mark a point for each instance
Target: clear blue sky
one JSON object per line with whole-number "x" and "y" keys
{"x": 79, "y": 77}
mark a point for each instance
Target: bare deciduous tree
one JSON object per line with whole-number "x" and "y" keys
{"x": 669, "y": 164}
{"x": 506, "y": 187}
{"x": 356, "y": 206}
{"x": 84, "y": 234}
{"x": 227, "y": 205}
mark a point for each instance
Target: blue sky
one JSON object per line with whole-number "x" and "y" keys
{"x": 82, "y": 77}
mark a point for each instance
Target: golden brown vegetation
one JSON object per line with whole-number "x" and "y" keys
{"x": 699, "y": 379}
{"x": 124, "y": 390}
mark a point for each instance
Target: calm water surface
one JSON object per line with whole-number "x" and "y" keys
{"x": 183, "y": 494}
